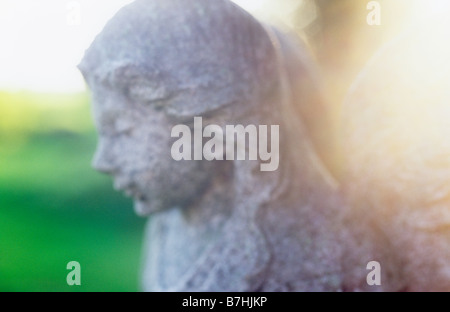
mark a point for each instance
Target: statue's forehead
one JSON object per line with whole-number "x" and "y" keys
{"x": 104, "y": 58}
{"x": 130, "y": 59}
{"x": 122, "y": 71}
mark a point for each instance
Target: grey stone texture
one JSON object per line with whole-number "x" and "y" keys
{"x": 227, "y": 226}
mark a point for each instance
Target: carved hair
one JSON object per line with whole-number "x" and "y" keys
{"x": 214, "y": 44}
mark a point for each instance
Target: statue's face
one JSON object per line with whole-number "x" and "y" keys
{"x": 134, "y": 147}
{"x": 154, "y": 67}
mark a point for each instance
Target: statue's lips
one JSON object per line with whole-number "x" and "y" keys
{"x": 135, "y": 194}
{"x": 129, "y": 191}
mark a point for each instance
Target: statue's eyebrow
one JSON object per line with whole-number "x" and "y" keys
{"x": 120, "y": 73}
{"x": 127, "y": 72}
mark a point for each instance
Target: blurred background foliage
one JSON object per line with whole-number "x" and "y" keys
{"x": 53, "y": 207}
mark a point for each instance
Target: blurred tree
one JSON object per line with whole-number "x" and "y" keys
{"x": 342, "y": 42}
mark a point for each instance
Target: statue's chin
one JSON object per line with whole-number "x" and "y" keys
{"x": 146, "y": 208}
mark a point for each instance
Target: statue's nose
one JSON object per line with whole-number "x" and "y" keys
{"x": 102, "y": 160}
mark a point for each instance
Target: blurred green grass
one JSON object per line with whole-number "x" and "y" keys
{"x": 53, "y": 207}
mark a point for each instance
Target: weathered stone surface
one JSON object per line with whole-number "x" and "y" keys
{"x": 219, "y": 225}
{"x": 396, "y": 132}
